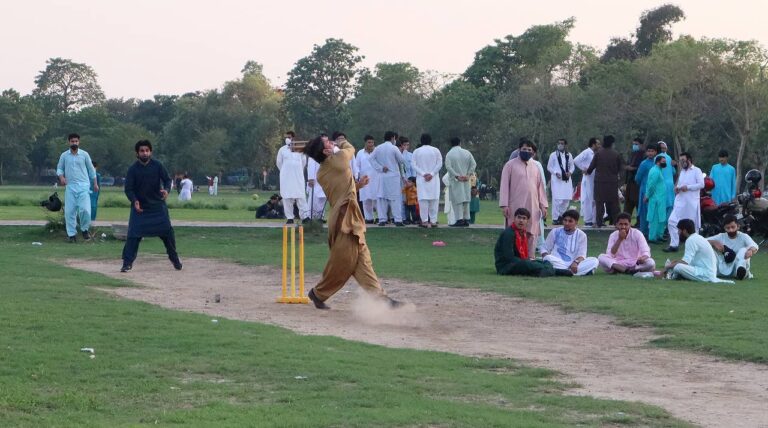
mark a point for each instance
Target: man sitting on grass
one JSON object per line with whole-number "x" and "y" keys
{"x": 566, "y": 247}
{"x": 699, "y": 262}
{"x": 627, "y": 251}
{"x": 733, "y": 250}
{"x": 511, "y": 251}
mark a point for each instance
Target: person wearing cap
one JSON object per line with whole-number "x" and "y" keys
{"x": 669, "y": 176}
{"x": 733, "y": 249}
{"x": 724, "y": 176}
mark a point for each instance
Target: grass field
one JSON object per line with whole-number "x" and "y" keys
{"x": 156, "y": 366}
{"x": 230, "y": 205}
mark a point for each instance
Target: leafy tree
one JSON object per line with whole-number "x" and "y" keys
{"x": 320, "y": 85}
{"x": 21, "y": 122}
{"x": 66, "y": 86}
{"x": 654, "y": 27}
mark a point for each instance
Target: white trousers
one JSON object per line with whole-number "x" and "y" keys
{"x": 728, "y": 270}
{"x": 428, "y": 210}
{"x": 397, "y": 209}
{"x": 688, "y": 272}
{"x": 461, "y": 211}
{"x": 289, "y": 203}
{"x": 368, "y": 206}
{"x": 559, "y": 206}
{"x": 316, "y": 207}
{"x": 586, "y": 266}
{"x": 587, "y": 203}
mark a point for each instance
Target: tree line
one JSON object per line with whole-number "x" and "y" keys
{"x": 699, "y": 95}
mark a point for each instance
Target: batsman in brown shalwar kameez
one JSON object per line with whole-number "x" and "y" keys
{"x": 349, "y": 255}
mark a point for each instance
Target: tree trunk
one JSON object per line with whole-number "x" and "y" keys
{"x": 743, "y": 139}
{"x": 2, "y": 164}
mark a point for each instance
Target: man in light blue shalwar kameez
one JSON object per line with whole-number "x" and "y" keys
{"x": 699, "y": 262}
{"x": 75, "y": 170}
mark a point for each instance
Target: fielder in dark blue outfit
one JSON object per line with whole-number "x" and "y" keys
{"x": 146, "y": 186}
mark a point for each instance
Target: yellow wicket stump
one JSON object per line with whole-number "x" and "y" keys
{"x": 293, "y": 297}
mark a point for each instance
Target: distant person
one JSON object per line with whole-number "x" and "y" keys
{"x": 627, "y": 250}
{"x": 582, "y": 161}
{"x": 512, "y": 251}
{"x": 272, "y": 209}
{"x": 669, "y": 176}
{"x": 186, "y": 188}
{"x": 387, "y": 160}
{"x": 734, "y": 250}
{"x": 687, "y": 203}
{"x": 566, "y": 247}
{"x": 460, "y": 164}
{"x": 146, "y": 186}
{"x": 607, "y": 166}
{"x": 315, "y": 196}
{"x": 177, "y": 182}
{"x": 95, "y": 192}
{"x": 699, "y": 262}
{"x": 410, "y": 194}
{"x": 522, "y": 186}
{"x": 474, "y": 205}
{"x": 724, "y": 176}
{"x": 369, "y": 193}
{"x": 216, "y": 185}
{"x": 75, "y": 170}
{"x": 292, "y": 187}
{"x": 210, "y": 185}
{"x": 403, "y": 144}
{"x": 427, "y": 163}
{"x": 348, "y": 254}
{"x": 560, "y": 167}
{"x": 641, "y": 178}
{"x": 632, "y": 189}
{"x": 655, "y": 200}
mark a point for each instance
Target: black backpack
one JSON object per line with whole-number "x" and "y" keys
{"x": 53, "y": 203}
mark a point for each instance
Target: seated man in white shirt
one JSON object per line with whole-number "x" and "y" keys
{"x": 566, "y": 247}
{"x": 699, "y": 262}
{"x": 733, "y": 249}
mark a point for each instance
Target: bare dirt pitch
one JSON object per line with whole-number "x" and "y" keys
{"x": 607, "y": 360}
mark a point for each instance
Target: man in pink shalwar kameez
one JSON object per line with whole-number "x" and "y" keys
{"x": 627, "y": 251}
{"x": 522, "y": 186}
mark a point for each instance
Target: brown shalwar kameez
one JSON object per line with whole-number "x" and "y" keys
{"x": 349, "y": 255}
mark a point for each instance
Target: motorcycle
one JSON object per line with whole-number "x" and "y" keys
{"x": 754, "y": 207}
{"x": 713, "y": 215}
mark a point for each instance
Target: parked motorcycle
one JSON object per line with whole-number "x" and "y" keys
{"x": 754, "y": 207}
{"x": 713, "y": 215}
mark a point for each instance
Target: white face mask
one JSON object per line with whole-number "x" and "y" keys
{"x": 287, "y": 141}
{"x": 336, "y": 149}
{"x": 561, "y": 147}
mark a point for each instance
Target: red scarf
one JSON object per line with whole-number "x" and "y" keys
{"x": 521, "y": 242}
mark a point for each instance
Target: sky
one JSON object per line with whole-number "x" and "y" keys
{"x": 140, "y": 48}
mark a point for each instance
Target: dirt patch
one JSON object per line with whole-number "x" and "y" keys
{"x": 607, "y": 360}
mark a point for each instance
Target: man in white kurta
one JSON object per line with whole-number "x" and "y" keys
{"x": 699, "y": 262}
{"x": 687, "y": 202}
{"x": 315, "y": 195}
{"x": 734, "y": 250}
{"x": 216, "y": 185}
{"x": 566, "y": 247}
{"x": 460, "y": 165}
{"x": 427, "y": 162}
{"x": 582, "y": 161}
{"x": 560, "y": 167}
{"x": 387, "y": 160}
{"x": 363, "y": 168}
{"x": 292, "y": 187}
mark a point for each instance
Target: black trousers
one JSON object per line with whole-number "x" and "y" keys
{"x": 131, "y": 248}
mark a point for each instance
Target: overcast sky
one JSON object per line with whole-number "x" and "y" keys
{"x": 144, "y": 47}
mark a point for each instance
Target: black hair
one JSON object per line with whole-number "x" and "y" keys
{"x": 608, "y": 141}
{"x": 323, "y": 134}
{"x": 368, "y": 137}
{"x": 571, "y": 214}
{"x": 291, "y": 133}
{"x": 592, "y": 142}
{"x": 722, "y": 153}
{"x": 73, "y": 135}
{"x": 412, "y": 179}
{"x": 652, "y": 146}
{"x": 730, "y": 218}
{"x": 525, "y": 142}
{"x": 338, "y": 134}
{"x": 426, "y": 139}
{"x": 687, "y": 155}
{"x": 95, "y": 164}
{"x": 389, "y": 135}
{"x": 314, "y": 149}
{"x": 687, "y": 225}
{"x": 455, "y": 141}
{"x": 523, "y": 212}
{"x": 402, "y": 140}
{"x": 142, "y": 143}
{"x": 563, "y": 140}
{"x": 637, "y": 140}
{"x": 624, "y": 216}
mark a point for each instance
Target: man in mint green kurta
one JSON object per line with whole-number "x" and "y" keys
{"x": 656, "y": 200}
{"x": 460, "y": 165}
{"x": 724, "y": 176}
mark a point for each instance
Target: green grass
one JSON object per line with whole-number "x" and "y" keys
{"x": 230, "y": 205}
{"x": 157, "y": 366}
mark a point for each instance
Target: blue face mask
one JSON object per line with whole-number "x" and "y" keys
{"x": 635, "y": 147}
{"x": 526, "y": 156}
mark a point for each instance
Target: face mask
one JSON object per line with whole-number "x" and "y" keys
{"x": 561, "y": 147}
{"x": 73, "y": 146}
{"x": 287, "y": 141}
{"x": 144, "y": 159}
{"x": 635, "y": 148}
{"x": 662, "y": 165}
{"x": 526, "y": 156}
{"x": 336, "y": 149}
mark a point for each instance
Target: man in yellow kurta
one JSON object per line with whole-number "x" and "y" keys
{"x": 349, "y": 255}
